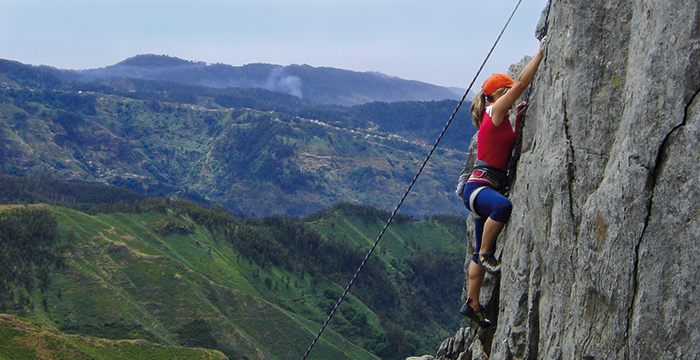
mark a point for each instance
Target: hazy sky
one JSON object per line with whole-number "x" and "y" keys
{"x": 441, "y": 42}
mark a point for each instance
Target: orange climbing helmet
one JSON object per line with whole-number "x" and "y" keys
{"x": 495, "y": 82}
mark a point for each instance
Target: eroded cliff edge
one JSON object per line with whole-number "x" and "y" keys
{"x": 601, "y": 255}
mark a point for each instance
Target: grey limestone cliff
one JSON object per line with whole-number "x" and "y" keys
{"x": 601, "y": 257}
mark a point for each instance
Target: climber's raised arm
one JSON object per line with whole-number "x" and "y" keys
{"x": 506, "y": 102}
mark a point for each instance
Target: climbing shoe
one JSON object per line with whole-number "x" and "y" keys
{"x": 489, "y": 263}
{"x": 477, "y": 315}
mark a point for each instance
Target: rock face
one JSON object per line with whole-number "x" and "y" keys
{"x": 600, "y": 257}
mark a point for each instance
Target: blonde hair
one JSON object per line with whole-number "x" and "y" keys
{"x": 479, "y": 104}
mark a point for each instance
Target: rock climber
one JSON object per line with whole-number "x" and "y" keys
{"x": 481, "y": 193}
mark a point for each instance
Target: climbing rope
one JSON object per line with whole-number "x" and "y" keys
{"x": 415, "y": 178}
{"x": 515, "y": 157}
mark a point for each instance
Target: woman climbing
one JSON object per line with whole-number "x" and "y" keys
{"x": 481, "y": 195}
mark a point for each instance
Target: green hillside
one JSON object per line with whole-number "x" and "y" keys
{"x": 20, "y": 339}
{"x": 172, "y": 276}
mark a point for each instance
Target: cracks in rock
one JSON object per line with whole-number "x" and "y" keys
{"x": 492, "y": 309}
{"x": 570, "y": 168}
{"x": 534, "y": 321}
{"x": 650, "y": 188}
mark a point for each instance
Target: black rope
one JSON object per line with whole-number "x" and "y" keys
{"x": 415, "y": 178}
{"x": 515, "y": 157}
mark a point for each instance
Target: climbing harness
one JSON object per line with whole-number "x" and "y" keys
{"x": 410, "y": 186}
{"x": 481, "y": 173}
{"x": 495, "y": 176}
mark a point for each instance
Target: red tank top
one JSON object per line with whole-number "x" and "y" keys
{"x": 495, "y": 143}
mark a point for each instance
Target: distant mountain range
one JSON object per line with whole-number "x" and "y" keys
{"x": 322, "y": 85}
{"x": 251, "y": 150}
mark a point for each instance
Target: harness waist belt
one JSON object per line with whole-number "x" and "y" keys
{"x": 495, "y": 176}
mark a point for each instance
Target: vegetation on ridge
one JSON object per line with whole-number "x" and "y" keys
{"x": 176, "y": 273}
{"x": 250, "y": 150}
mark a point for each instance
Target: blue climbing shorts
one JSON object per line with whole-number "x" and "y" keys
{"x": 489, "y": 203}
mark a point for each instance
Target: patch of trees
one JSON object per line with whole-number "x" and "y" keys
{"x": 78, "y": 195}
{"x": 30, "y": 76}
{"x": 197, "y": 333}
{"x": 29, "y": 248}
{"x": 432, "y": 275}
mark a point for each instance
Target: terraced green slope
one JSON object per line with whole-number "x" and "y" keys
{"x": 171, "y": 278}
{"x": 125, "y": 278}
